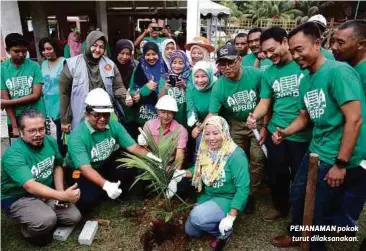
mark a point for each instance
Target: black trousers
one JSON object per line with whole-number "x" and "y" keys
{"x": 282, "y": 165}
{"x": 91, "y": 193}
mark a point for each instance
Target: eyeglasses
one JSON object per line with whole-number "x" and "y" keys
{"x": 98, "y": 116}
{"x": 230, "y": 64}
{"x": 34, "y": 131}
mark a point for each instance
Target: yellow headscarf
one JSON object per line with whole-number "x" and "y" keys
{"x": 210, "y": 164}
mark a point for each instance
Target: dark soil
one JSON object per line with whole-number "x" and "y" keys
{"x": 155, "y": 234}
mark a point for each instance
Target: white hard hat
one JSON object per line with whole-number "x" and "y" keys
{"x": 99, "y": 100}
{"x": 320, "y": 19}
{"x": 167, "y": 103}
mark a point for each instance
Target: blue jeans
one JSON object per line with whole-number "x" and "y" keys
{"x": 203, "y": 218}
{"x": 329, "y": 202}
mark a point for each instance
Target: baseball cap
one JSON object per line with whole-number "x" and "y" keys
{"x": 15, "y": 39}
{"x": 227, "y": 51}
{"x": 319, "y": 19}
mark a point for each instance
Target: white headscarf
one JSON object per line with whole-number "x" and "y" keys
{"x": 162, "y": 49}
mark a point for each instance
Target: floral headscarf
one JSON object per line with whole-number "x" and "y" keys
{"x": 207, "y": 68}
{"x": 187, "y": 68}
{"x": 163, "y": 46}
{"x": 210, "y": 164}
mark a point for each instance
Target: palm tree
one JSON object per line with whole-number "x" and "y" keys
{"x": 282, "y": 10}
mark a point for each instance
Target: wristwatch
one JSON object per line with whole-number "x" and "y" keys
{"x": 341, "y": 163}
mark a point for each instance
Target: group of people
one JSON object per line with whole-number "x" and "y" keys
{"x": 298, "y": 96}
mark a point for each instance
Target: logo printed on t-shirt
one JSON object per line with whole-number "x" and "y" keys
{"x": 315, "y": 103}
{"x": 178, "y": 94}
{"x": 44, "y": 168}
{"x": 102, "y": 150}
{"x": 242, "y": 101}
{"x": 19, "y": 86}
{"x": 221, "y": 181}
{"x": 146, "y": 113}
{"x": 287, "y": 86}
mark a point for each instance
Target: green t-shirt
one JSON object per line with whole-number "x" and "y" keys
{"x": 281, "y": 83}
{"x": 249, "y": 60}
{"x": 21, "y": 162}
{"x": 89, "y": 147}
{"x": 158, "y": 41}
{"x": 198, "y": 102}
{"x": 361, "y": 69}
{"x": 327, "y": 54}
{"x": 19, "y": 81}
{"x": 239, "y": 97}
{"x": 232, "y": 191}
{"x": 322, "y": 94}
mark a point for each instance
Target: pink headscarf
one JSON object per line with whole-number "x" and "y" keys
{"x": 75, "y": 46}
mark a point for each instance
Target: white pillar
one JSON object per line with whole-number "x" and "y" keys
{"x": 10, "y": 18}
{"x": 102, "y": 17}
{"x": 193, "y": 19}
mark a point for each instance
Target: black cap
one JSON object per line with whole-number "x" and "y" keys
{"x": 15, "y": 39}
{"x": 226, "y": 52}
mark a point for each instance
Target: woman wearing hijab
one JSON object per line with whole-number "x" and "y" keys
{"x": 144, "y": 83}
{"x": 85, "y": 72}
{"x": 73, "y": 46}
{"x": 221, "y": 177}
{"x": 125, "y": 63}
{"x": 199, "y": 49}
{"x": 167, "y": 48}
{"x": 179, "y": 70}
{"x": 198, "y": 98}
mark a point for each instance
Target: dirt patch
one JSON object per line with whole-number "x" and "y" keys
{"x": 156, "y": 234}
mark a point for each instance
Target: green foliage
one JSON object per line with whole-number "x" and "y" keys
{"x": 283, "y": 10}
{"x": 158, "y": 174}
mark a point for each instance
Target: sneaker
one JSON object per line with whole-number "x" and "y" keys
{"x": 271, "y": 215}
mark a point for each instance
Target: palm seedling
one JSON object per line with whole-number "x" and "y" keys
{"x": 157, "y": 174}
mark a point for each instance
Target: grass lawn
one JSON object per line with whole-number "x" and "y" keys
{"x": 251, "y": 233}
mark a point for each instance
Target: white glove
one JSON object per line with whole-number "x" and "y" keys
{"x": 141, "y": 140}
{"x": 226, "y": 223}
{"x": 153, "y": 157}
{"x": 179, "y": 175}
{"x": 112, "y": 189}
{"x": 191, "y": 120}
{"x": 172, "y": 188}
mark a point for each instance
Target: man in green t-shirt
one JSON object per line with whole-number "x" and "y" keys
{"x": 21, "y": 82}
{"x": 93, "y": 149}
{"x": 32, "y": 182}
{"x": 235, "y": 95}
{"x": 256, "y": 58}
{"x": 331, "y": 98}
{"x": 349, "y": 45}
{"x": 280, "y": 87}
{"x": 153, "y": 31}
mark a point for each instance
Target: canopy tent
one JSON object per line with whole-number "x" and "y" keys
{"x": 213, "y": 10}
{"x": 208, "y": 7}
